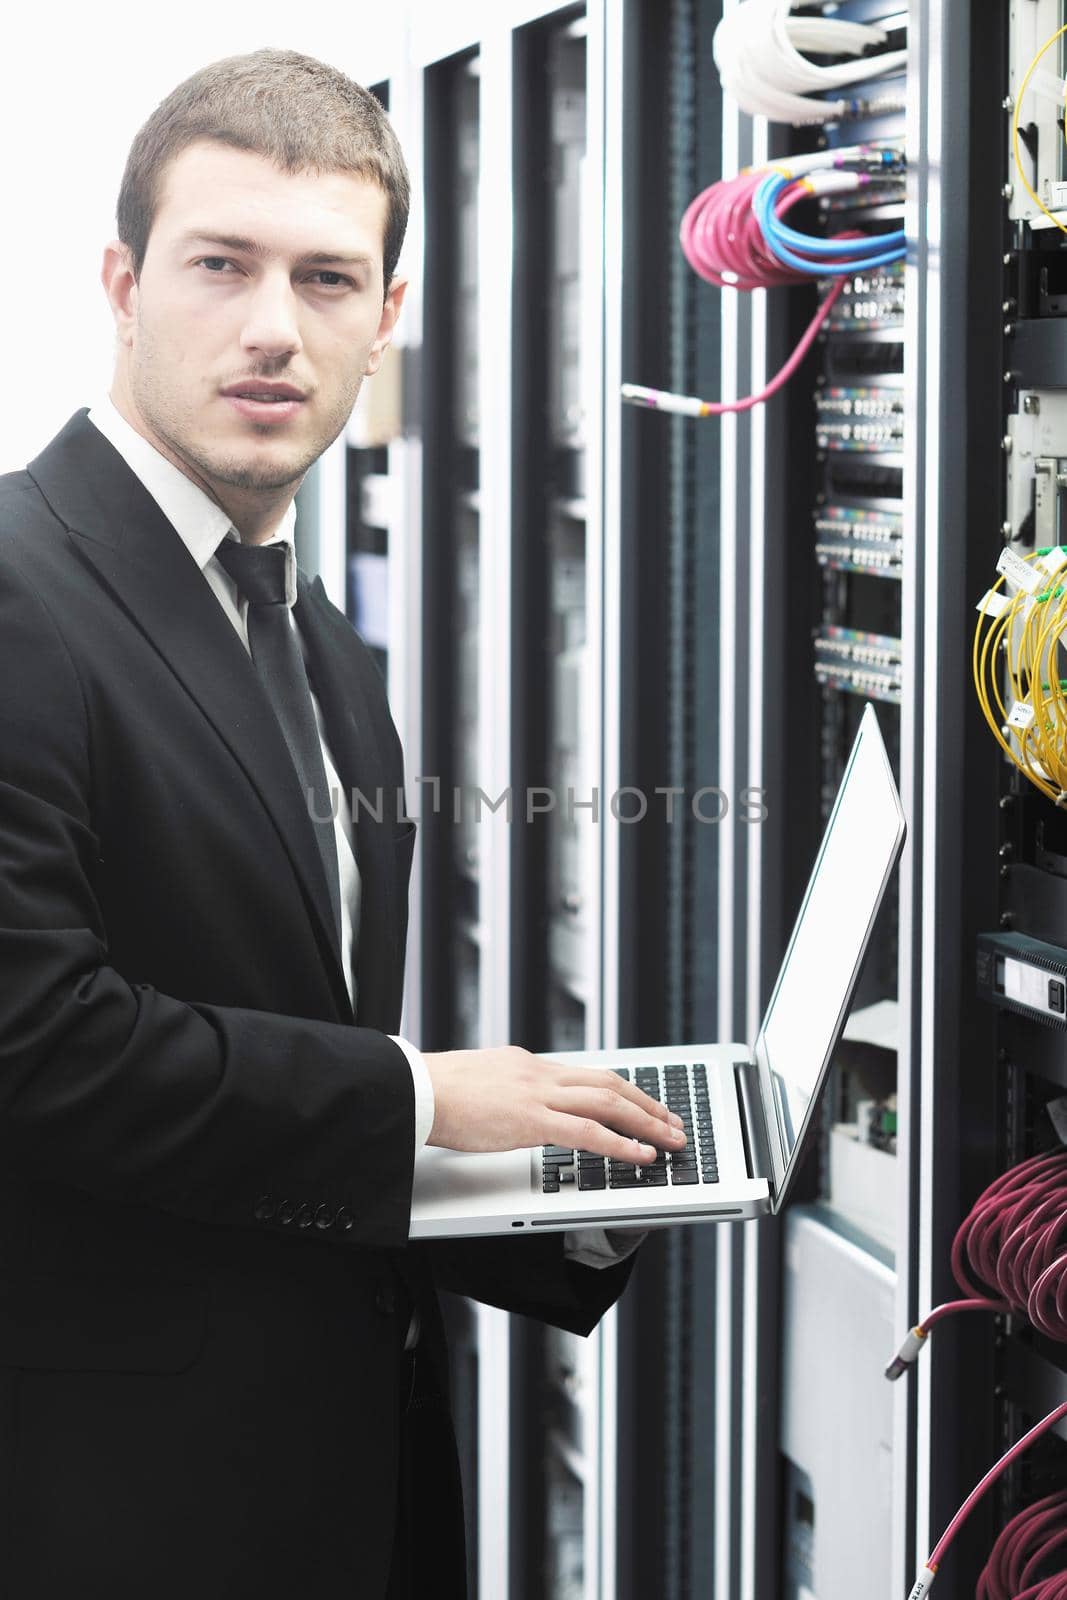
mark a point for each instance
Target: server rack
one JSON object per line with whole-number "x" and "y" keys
{"x": 451, "y": 928}
{"x": 835, "y": 575}
{"x": 962, "y": 1113}
{"x": 560, "y": 1511}
{"x": 504, "y": 513}
{"x": 663, "y": 514}
{"x": 729, "y": 1511}
{"x": 1027, "y": 867}
{"x": 451, "y": 522}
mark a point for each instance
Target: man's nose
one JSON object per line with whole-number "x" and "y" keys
{"x": 272, "y": 320}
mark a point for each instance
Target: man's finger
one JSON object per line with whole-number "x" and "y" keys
{"x": 583, "y": 1133}
{"x": 595, "y": 1077}
{"x": 616, "y": 1112}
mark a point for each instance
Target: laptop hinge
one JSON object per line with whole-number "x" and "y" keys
{"x": 753, "y": 1126}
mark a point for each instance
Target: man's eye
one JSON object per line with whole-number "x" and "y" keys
{"x": 212, "y": 263}
{"x": 337, "y": 279}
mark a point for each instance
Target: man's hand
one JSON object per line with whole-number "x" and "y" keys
{"x": 508, "y": 1099}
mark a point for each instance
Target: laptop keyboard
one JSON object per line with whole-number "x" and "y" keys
{"x": 681, "y": 1089}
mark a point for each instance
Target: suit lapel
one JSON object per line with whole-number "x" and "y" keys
{"x": 337, "y": 672}
{"x": 124, "y": 536}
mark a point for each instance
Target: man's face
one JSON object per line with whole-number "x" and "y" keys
{"x": 254, "y": 276}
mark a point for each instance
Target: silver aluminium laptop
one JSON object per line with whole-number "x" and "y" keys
{"x": 748, "y": 1112}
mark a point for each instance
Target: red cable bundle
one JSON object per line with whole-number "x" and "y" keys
{"x": 723, "y": 241}
{"x": 1028, "y": 1543}
{"x": 1013, "y": 1246}
{"x": 1015, "y": 1243}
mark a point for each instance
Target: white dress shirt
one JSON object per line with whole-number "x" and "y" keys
{"x": 202, "y": 525}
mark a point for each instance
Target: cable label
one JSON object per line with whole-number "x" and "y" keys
{"x": 993, "y": 604}
{"x": 1057, "y": 1110}
{"x": 1019, "y": 572}
{"x": 1054, "y": 560}
{"x": 1021, "y": 715}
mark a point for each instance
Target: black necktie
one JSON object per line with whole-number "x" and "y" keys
{"x": 259, "y": 573}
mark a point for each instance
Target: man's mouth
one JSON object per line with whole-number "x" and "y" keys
{"x": 264, "y": 405}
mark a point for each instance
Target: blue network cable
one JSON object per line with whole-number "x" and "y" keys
{"x": 837, "y": 257}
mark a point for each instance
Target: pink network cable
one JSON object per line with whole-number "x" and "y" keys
{"x": 1054, "y": 1589}
{"x": 724, "y": 243}
{"x": 1030, "y": 1544}
{"x": 1009, "y": 1255}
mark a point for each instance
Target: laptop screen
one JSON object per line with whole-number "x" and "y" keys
{"x": 810, "y": 1002}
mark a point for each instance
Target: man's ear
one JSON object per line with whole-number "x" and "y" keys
{"x": 120, "y": 286}
{"x": 390, "y": 311}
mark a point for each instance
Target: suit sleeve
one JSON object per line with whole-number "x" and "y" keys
{"x": 213, "y": 1113}
{"x": 532, "y": 1276}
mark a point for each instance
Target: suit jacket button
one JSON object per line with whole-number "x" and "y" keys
{"x": 305, "y": 1216}
{"x": 324, "y": 1217}
{"x": 287, "y": 1211}
{"x": 265, "y": 1208}
{"x": 344, "y": 1220}
{"x": 385, "y": 1300}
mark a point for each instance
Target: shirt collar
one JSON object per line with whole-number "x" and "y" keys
{"x": 199, "y": 522}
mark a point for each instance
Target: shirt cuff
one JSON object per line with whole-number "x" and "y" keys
{"x": 424, "y": 1101}
{"x": 602, "y": 1247}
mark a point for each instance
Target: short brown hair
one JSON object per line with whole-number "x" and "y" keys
{"x": 298, "y": 112}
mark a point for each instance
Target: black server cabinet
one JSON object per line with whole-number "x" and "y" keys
{"x": 670, "y": 738}
{"x": 451, "y": 533}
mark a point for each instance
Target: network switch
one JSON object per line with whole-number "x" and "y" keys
{"x": 856, "y": 539}
{"x": 860, "y": 417}
{"x": 858, "y": 662}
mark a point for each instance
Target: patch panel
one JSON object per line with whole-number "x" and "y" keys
{"x": 858, "y": 662}
{"x": 858, "y": 539}
{"x": 860, "y": 417}
{"x": 871, "y": 300}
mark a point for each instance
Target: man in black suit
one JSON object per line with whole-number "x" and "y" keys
{"x": 222, "y": 1368}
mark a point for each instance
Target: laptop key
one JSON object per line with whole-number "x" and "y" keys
{"x": 685, "y": 1175}
{"x": 588, "y": 1179}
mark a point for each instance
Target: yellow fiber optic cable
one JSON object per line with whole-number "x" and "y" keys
{"x": 1015, "y": 128}
{"x": 1020, "y": 649}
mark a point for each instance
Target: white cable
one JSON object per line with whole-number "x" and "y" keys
{"x": 822, "y": 37}
{"x": 805, "y": 74}
{"x": 757, "y": 53}
{"x": 839, "y": 156}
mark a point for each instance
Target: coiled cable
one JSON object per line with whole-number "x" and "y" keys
{"x": 733, "y": 236}
{"x": 925, "y": 1579}
{"x": 757, "y": 50}
{"x": 1026, "y": 1546}
{"x": 1009, "y": 1255}
{"x": 1016, "y": 647}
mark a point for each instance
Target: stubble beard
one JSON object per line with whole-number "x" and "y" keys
{"x": 175, "y": 425}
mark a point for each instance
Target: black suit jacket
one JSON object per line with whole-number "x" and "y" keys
{"x": 205, "y": 1159}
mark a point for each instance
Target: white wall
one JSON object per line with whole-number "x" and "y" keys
{"x": 78, "y": 83}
